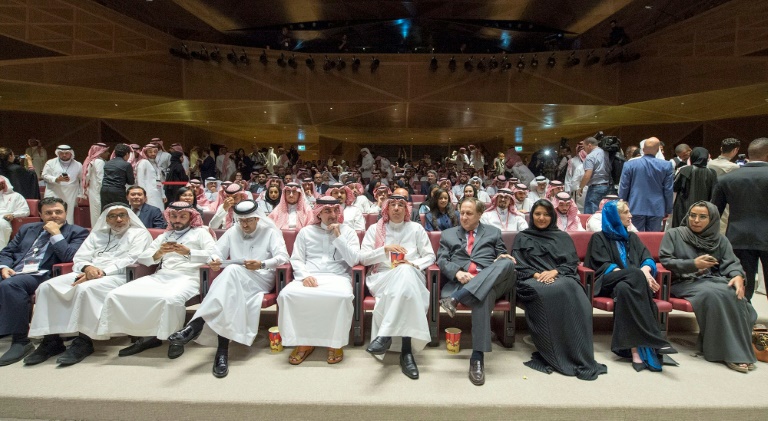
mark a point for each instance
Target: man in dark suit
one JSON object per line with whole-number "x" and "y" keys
{"x": 25, "y": 263}
{"x": 476, "y": 270}
{"x": 150, "y": 216}
{"x": 745, "y": 191}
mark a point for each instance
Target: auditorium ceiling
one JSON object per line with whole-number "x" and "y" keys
{"x": 93, "y": 59}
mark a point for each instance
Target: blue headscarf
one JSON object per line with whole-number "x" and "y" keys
{"x": 614, "y": 229}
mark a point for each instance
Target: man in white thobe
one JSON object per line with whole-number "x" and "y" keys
{"x": 62, "y": 179}
{"x": 154, "y": 306}
{"x": 163, "y": 158}
{"x": 150, "y": 177}
{"x": 224, "y": 216}
{"x": 538, "y": 188}
{"x": 72, "y": 303}
{"x": 93, "y": 174}
{"x": 292, "y": 212}
{"x": 575, "y": 173}
{"x": 253, "y": 248}
{"x": 12, "y": 205}
{"x": 353, "y": 216}
{"x": 482, "y": 195}
{"x": 521, "y": 201}
{"x": 316, "y": 308}
{"x": 503, "y": 216}
{"x": 399, "y": 283}
{"x": 366, "y": 166}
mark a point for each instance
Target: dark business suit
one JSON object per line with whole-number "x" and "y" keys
{"x": 493, "y": 280}
{"x": 744, "y": 190}
{"x": 15, "y": 291}
{"x": 152, "y": 217}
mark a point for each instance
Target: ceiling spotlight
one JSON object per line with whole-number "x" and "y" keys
{"x": 468, "y": 66}
{"x": 572, "y": 60}
{"x": 310, "y": 63}
{"x": 232, "y": 57}
{"x": 534, "y": 62}
{"x": 182, "y": 52}
{"x": 329, "y": 64}
{"x": 520, "y": 64}
{"x": 452, "y": 64}
{"x": 216, "y": 55}
{"x": 493, "y": 63}
{"x": 591, "y": 59}
{"x": 263, "y": 58}
{"x": 551, "y": 60}
{"x": 433, "y": 64}
{"x": 374, "y": 64}
{"x": 355, "y": 64}
{"x": 201, "y": 55}
{"x": 292, "y": 62}
{"x": 481, "y": 65}
{"x": 281, "y": 61}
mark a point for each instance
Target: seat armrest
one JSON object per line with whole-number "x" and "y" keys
{"x": 664, "y": 278}
{"x": 284, "y": 275}
{"x": 358, "y": 289}
{"x": 587, "y": 278}
{"x": 61, "y": 269}
{"x": 136, "y": 271}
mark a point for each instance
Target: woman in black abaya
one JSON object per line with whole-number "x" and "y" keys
{"x": 557, "y": 310}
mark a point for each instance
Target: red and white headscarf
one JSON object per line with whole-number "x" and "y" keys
{"x": 158, "y": 142}
{"x": 195, "y": 220}
{"x": 235, "y": 190}
{"x": 303, "y": 215}
{"x": 177, "y": 147}
{"x": 446, "y": 185}
{"x": 5, "y": 185}
{"x": 336, "y": 186}
{"x": 357, "y": 188}
{"x": 573, "y": 223}
{"x": 312, "y": 190}
{"x": 326, "y": 202}
{"x": 605, "y": 200}
{"x": 511, "y": 208}
{"x": 94, "y": 152}
{"x": 381, "y": 229}
{"x": 553, "y": 185}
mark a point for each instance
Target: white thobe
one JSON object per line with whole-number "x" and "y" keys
{"x": 149, "y": 177}
{"x": 163, "y": 160}
{"x": 573, "y": 178}
{"x": 155, "y": 305}
{"x": 366, "y": 166}
{"x": 535, "y": 195}
{"x": 95, "y": 177}
{"x": 362, "y": 203}
{"x": 67, "y": 191}
{"x": 321, "y": 315}
{"x": 503, "y": 220}
{"x": 211, "y": 196}
{"x": 458, "y": 190}
{"x": 219, "y": 219}
{"x": 525, "y": 205}
{"x": 61, "y": 308}
{"x": 232, "y": 307}
{"x": 39, "y": 157}
{"x": 353, "y": 217}
{"x": 10, "y": 203}
{"x": 402, "y": 298}
{"x": 483, "y": 197}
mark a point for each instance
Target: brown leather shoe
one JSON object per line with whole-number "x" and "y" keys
{"x": 476, "y": 372}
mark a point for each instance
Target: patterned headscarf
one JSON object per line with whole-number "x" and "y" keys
{"x": 573, "y": 211}
{"x": 280, "y": 213}
{"x": 506, "y": 192}
{"x": 94, "y": 152}
{"x": 554, "y": 184}
{"x": 233, "y": 189}
{"x": 381, "y": 229}
{"x": 5, "y": 185}
{"x": 195, "y": 220}
{"x": 338, "y": 186}
{"x": 326, "y": 202}
{"x": 177, "y": 147}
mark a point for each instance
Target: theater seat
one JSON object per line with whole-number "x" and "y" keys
{"x": 418, "y": 198}
{"x": 584, "y": 217}
{"x": 370, "y": 219}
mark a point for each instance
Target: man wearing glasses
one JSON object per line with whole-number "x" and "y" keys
{"x": 503, "y": 216}
{"x": 247, "y": 254}
{"x": 72, "y": 302}
{"x": 292, "y": 212}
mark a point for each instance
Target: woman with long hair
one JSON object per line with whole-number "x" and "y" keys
{"x": 442, "y": 214}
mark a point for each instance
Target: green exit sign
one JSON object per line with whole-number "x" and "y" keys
{"x": 302, "y": 147}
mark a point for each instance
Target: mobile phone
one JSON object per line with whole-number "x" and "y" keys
{"x": 173, "y": 243}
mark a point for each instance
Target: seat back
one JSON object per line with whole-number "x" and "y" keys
{"x": 581, "y": 241}
{"x": 370, "y": 219}
{"x": 509, "y": 239}
{"x": 207, "y": 216}
{"x": 219, "y": 232}
{"x": 32, "y": 203}
{"x": 289, "y": 236}
{"x": 652, "y": 241}
{"x": 422, "y": 219}
{"x": 156, "y": 232}
{"x": 360, "y": 235}
{"x": 584, "y": 217}
{"x": 434, "y": 238}
{"x": 418, "y": 198}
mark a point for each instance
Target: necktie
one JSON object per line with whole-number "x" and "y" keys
{"x": 39, "y": 244}
{"x": 470, "y": 245}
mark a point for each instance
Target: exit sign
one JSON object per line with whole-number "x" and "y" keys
{"x": 302, "y": 147}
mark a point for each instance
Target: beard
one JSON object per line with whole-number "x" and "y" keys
{"x": 178, "y": 226}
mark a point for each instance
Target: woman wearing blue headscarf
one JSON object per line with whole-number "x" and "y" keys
{"x": 626, "y": 272}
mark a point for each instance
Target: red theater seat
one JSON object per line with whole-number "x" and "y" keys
{"x": 418, "y": 198}
{"x": 584, "y": 217}
{"x": 370, "y": 219}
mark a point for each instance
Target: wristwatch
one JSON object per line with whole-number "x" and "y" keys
{"x": 263, "y": 266}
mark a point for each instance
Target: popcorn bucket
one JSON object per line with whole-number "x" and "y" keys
{"x": 452, "y": 339}
{"x": 275, "y": 340}
{"x": 395, "y": 256}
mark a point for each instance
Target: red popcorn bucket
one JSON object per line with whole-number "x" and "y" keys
{"x": 395, "y": 256}
{"x": 275, "y": 340}
{"x": 452, "y": 339}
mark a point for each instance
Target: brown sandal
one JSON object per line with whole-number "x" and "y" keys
{"x": 335, "y": 355}
{"x": 300, "y": 354}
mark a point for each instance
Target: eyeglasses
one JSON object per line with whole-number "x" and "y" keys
{"x": 119, "y": 215}
{"x": 291, "y": 189}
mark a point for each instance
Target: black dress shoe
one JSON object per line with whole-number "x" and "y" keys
{"x": 175, "y": 351}
{"x": 141, "y": 344}
{"x": 47, "y": 349}
{"x": 408, "y": 366}
{"x": 449, "y": 305}
{"x": 380, "y": 345}
{"x": 77, "y": 351}
{"x": 221, "y": 364}
{"x": 638, "y": 366}
{"x": 16, "y": 353}
{"x": 476, "y": 372}
{"x": 184, "y": 336}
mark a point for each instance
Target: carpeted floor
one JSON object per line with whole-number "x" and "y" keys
{"x": 263, "y": 385}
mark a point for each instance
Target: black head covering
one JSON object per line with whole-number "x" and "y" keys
{"x": 709, "y": 238}
{"x": 699, "y": 157}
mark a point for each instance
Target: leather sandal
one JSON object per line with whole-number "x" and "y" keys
{"x": 299, "y": 355}
{"x": 335, "y": 355}
{"x": 737, "y": 367}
